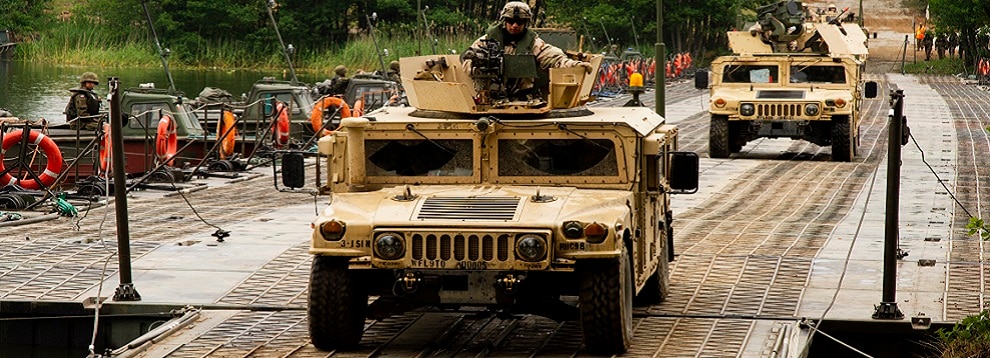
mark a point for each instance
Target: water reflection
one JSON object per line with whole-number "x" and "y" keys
{"x": 33, "y": 91}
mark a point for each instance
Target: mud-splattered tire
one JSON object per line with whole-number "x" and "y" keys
{"x": 656, "y": 288}
{"x": 337, "y": 304}
{"x": 606, "y": 304}
{"x": 843, "y": 143}
{"x": 718, "y": 137}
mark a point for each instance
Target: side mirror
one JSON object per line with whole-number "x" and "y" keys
{"x": 870, "y": 89}
{"x": 684, "y": 172}
{"x": 701, "y": 79}
{"x": 293, "y": 170}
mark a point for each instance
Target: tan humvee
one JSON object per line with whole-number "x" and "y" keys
{"x": 789, "y": 79}
{"x": 468, "y": 199}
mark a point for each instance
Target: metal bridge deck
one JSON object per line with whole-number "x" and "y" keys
{"x": 777, "y": 233}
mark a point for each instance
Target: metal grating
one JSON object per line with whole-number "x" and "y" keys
{"x": 780, "y": 110}
{"x": 469, "y": 208}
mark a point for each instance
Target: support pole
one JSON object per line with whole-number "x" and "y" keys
{"x": 125, "y": 291}
{"x": 887, "y": 309}
{"x": 659, "y": 77}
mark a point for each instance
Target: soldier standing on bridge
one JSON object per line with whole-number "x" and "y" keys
{"x": 928, "y": 42}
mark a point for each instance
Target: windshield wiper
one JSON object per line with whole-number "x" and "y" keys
{"x": 564, "y": 128}
{"x": 411, "y": 127}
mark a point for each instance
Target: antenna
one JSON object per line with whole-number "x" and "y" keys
{"x": 285, "y": 50}
{"x": 161, "y": 54}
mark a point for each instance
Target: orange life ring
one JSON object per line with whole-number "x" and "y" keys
{"x": 47, "y": 145}
{"x": 105, "y": 149}
{"x": 228, "y": 132}
{"x": 166, "y": 142}
{"x": 280, "y": 131}
{"x": 316, "y": 117}
{"x": 358, "y": 109}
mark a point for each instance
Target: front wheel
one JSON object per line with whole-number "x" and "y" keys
{"x": 843, "y": 142}
{"x": 337, "y": 304}
{"x": 606, "y": 304}
{"x": 718, "y": 137}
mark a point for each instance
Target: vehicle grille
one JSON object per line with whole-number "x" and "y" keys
{"x": 469, "y": 208}
{"x": 780, "y": 110}
{"x": 460, "y": 247}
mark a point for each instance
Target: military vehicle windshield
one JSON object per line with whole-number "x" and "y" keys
{"x": 541, "y": 157}
{"x": 750, "y": 74}
{"x": 420, "y": 157}
{"x": 818, "y": 74}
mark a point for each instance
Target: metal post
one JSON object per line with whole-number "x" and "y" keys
{"x": 887, "y": 309}
{"x": 861, "y": 14}
{"x": 125, "y": 291}
{"x": 601, "y": 20}
{"x": 659, "y": 77}
{"x": 904, "y": 53}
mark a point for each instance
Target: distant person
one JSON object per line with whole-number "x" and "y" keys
{"x": 393, "y": 72}
{"x": 513, "y": 33}
{"x": 338, "y": 84}
{"x": 84, "y": 106}
{"x": 928, "y": 42}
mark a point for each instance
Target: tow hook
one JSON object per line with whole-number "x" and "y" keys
{"x": 508, "y": 283}
{"x": 410, "y": 281}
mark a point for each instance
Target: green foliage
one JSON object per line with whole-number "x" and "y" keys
{"x": 968, "y": 338}
{"x": 945, "y": 66}
{"x": 977, "y": 226}
{"x": 25, "y": 16}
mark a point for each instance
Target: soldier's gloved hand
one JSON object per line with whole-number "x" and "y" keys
{"x": 587, "y": 66}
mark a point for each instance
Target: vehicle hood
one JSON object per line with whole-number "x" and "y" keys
{"x": 478, "y": 206}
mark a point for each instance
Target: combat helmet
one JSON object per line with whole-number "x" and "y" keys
{"x": 394, "y": 66}
{"x": 340, "y": 70}
{"x": 516, "y": 10}
{"x": 89, "y": 77}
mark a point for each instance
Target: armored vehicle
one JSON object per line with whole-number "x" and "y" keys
{"x": 789, "y": 78}
{"x": 472, "y": 197}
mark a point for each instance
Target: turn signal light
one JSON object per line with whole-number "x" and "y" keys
{"x": 595, "y": 232}
{"x": 332, "y": 230}
{"x": 840, "y": 103}
{"x": 720, "y": 102}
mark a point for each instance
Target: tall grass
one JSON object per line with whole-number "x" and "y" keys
{"x": 85, "y": 45}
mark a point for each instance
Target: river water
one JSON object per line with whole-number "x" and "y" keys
{"x": 33, "y": 91}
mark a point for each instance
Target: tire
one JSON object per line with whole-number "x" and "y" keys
{"x": 718, "y": 137}
{"x": 843, "y": 144}
{"x": 606, "y": 304}
{"x": 337, "y": 304}
{"x": 657, "y": 286}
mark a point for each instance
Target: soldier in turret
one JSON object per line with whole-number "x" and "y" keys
{"x": 513, "y": 33}
{"x": 84, "y": 106}
{"x": 338, "y": 84}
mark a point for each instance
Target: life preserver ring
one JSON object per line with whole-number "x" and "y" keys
{"x": 47, "y": 145}
{"x": 358, "y": 109}
{"x": 105, "y": 149}
{"x": 321, "y": 106}
{"x": 228, "y": 132}
{"x": 166, "y": 141}
{"x": 280, "y": 131}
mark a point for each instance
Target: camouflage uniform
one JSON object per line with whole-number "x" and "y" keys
{"x": 338, "y": 84}
{"x": 84, "y": 103}
{"x": 393, "y": 72}
{"x": 928, "y": 42}
{"x": 525, "y": 43}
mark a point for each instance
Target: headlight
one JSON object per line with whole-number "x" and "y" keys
{"x": 332, "y": 230}
{"x": 596, "y": 232}
{"x": 811, "y": 109}
{"x": 573, "y": 230}
{"x": 531, "y": 248}
{"x": 747, "y": 109}
{"x": 389, "y": 246}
